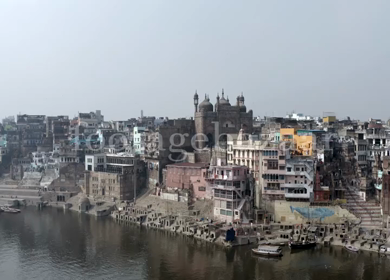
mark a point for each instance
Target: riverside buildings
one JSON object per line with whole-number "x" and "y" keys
{"x": 277, "y": 160}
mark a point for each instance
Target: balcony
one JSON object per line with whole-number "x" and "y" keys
{"x": 224, "y": 177}
{"x": 297, "y": 195}
{"x": 376, "y": 136}
{"x": 222, "y": 187}
{"x": 273, "y": 192}
{"x": 297, "y": 186}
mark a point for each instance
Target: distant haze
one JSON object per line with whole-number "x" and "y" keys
{"x": 61, "y": 57}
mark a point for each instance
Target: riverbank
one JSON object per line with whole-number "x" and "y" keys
{"x": 367, "y": 239}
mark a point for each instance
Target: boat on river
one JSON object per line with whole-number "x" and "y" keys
{"x": 351, "y": 248}
{"x": 7, "y": 209}
{"x": 301, "y": 244}
{"x": 270, "y": 251}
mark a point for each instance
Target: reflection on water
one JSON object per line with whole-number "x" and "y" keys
{"x": 53, "y": 244}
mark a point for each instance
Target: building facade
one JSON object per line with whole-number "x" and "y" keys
{"x": 221, "y": 119}
{"x": 232, "y": 192}
{"x": 190, "y": 176}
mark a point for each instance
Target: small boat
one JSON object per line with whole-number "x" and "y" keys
{"x": 301, "y": 245}
{"x": 7, "y": 209}
{"x": 384, "y": 250}
{"x": 270, "y": 251}
{"x": 351, "y": 248}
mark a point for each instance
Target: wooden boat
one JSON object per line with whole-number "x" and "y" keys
{"x": 351, "y": 248}
{"x": 301, "y": 245}
{"x": 270, "y": 251}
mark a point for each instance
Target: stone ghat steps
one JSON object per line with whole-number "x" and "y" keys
{"x": 17, "y": 192}
{"x": 371, "y": 224}
{"x": 164, "y": 206}
{"x": 363, "y": 205}
{"x": 371, "y": 216}
{"x": 368, "y": 212}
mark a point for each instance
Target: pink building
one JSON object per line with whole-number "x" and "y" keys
{"x": 191, "y": 176}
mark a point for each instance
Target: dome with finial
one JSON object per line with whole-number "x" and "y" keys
{"x": 241, "y": 97}
{"x": 223, "y": 101}
{"x": 196, "y": 95}
{"x": 206, "y": 106}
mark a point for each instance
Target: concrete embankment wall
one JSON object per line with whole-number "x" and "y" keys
{"x": 302, "y": 212}
{"x": 15, "y": 197}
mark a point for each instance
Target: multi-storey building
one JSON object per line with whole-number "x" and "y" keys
{"x": 55, "y": 122}
{"x": 114, "y": 176}
{"x": 90, "y": 121}
{"x": 139, "y": 140}
{"x": 232, "y": 192}
{"x": 266, "y": 161}
{"x": 32, "y": 131}
{"x": 299, "y": 179}
{"x": 274, "y": 169}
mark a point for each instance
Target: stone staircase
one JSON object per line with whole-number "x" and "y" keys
{"x": 8, "y": 196}
{"x": 369, "y": 212}
{"x": 167, "y": 207}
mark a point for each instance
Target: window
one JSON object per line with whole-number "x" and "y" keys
{"x": 202, "y": 189}
{"x": 288, "y": 169}
{"x": 273, "y": 164}
{"x": 229, "y": 204}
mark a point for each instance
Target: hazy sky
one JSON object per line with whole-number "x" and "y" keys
{"x": 61, "y": 57}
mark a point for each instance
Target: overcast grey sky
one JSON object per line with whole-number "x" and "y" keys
{"x": 61, "y": 57}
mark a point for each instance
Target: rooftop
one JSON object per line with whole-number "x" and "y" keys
{"x": 188, "y": 164}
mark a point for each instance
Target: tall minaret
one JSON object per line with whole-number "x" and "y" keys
{"x": 196, "y": 101}
{"x": 217, "y": 105}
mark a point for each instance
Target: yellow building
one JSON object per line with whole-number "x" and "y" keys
{"x": 329, "y": 119}
{"x": 303, "y": 143}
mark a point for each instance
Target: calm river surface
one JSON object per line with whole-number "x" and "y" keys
{"x": 53, "y": 244}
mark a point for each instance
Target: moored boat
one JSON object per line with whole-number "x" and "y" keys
{"x": 7, "y": 209}
{"x": 351, "y": 248}
{"x": 301, "y": 245}
{"x": 270, "y": 251}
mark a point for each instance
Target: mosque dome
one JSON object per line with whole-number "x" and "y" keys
{"x": 206, "y": 106}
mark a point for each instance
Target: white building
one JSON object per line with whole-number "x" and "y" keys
{"x": 139, "y": 140}
{"x": 102, "y": 161}
{"x": 299, "y": 178}
{"x": 299, "y": 117}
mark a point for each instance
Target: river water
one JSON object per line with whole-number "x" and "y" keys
{"x": 53, "y": 244}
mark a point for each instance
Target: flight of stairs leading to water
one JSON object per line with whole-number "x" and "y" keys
{"x": 369, "y": 211}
